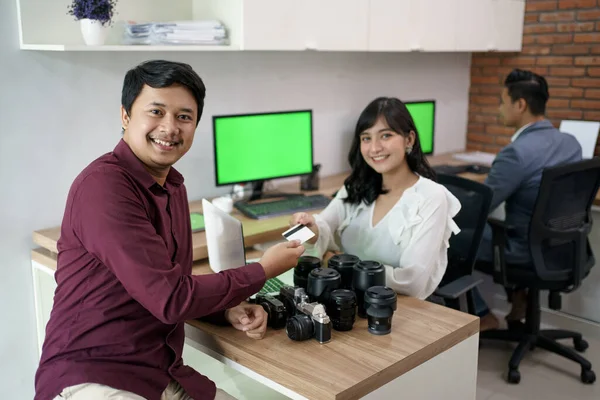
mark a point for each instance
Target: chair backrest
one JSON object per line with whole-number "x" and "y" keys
{"x": 561, "y": 222}
{"x": 475, "y": 199}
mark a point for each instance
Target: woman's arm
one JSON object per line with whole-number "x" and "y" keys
{"x": 326, "y": 224}
{"x": 422, "y": 263}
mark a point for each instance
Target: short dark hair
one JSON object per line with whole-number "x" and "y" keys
{"x": 364, "y": 184}
{"x": 530, "y": 87}
{"x": 161, "y": 74}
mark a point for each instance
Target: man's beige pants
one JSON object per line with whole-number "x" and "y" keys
{"x": 94, "y": 391}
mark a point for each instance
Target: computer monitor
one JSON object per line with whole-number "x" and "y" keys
{"x": 261, "y": 146}
{"x": 423, "y": 113}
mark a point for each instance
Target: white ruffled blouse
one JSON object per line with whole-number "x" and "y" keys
{"x": 411, "y": 240}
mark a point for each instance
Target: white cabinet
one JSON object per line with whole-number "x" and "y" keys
{"x": 434, "y": 24}
{"x": 332, "y": 25}
{"x": 274, "y": 25}
{"x": 509, "y": 16}
{"x": 475, "y": 29}
{"x": 339, "y": 24}
{"x": 390, "y": 26}
{"x": 280, "y": 25}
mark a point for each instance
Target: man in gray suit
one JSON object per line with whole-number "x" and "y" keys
{"x": 517, "y": 171}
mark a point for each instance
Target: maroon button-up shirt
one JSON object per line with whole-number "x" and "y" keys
{"x": 125, "y": 286}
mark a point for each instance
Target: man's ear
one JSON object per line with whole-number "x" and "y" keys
{"x": 521, "y": 105}
{"x": 124, "y": 118}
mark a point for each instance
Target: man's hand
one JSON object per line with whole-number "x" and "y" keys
{"x": 250, "y": 318}
{"x": 281, "y": 257}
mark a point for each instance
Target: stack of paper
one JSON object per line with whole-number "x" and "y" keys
{"x": 177, "y": 33}
{"x": 476, "y": 157}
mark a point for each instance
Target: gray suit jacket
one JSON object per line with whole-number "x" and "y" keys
{"x": 515, "y": 179}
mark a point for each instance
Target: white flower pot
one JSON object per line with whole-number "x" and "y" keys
{"x": 93, "y": 32}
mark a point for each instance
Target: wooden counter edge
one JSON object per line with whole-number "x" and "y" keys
{"x": 227, "y": 349}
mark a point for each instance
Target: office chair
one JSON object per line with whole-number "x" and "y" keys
{"x": 561, "y": 259}
{"x": 475, "y": 199}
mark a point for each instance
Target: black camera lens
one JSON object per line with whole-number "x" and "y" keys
{"x": 299, "y": 327}
{"x": 344, "y": 264}
{"x": 321, "y": 282}
{"x": 366, "y": 274}
{"x": 303, "y": 268}
{"x": 380, "y": 302}
{"x": 342, "y": 309}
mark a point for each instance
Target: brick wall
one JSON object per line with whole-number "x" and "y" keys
{"x": 561, "y": 40}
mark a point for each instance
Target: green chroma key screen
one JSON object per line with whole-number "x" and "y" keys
{"x": 262, "y": 146}
{"x": 423, "y": 113}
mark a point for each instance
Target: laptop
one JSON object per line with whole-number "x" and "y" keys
{"x": 226, "y": 248}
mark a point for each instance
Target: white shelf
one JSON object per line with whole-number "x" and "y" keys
{"x": 83, "y": 47}
{"x": 293, "y": 25}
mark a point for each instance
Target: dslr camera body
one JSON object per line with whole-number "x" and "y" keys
{"x": 306, "y": 319}
{"x": 277, "y": 313}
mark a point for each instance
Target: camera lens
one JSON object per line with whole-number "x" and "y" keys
{"x": 303, "y": 268}
{"x": 344, "y": 264}
{"x": 366, "y": 274}
{"x": 321, "y": 282}
{"x": 299, "y": 327}
{"x": 342, "y": 309}
{"x": 380, "y": 302}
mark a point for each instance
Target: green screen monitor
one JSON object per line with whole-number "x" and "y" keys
{"x": 258, "y": 147}
{"x": 423, "y": 113}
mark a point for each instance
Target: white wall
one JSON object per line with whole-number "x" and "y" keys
{"x": 59, "y": 111}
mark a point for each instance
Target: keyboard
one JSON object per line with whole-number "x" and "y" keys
{"x": 272, "y": 286}
{"x": 282, "y": 207}
{"x": 461, "y": 169}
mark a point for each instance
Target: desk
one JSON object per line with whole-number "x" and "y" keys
{"x": 431, "y": 352}
{"x": 255, "y": 231}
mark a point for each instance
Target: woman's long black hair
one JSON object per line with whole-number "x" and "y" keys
{"x": 364, "y": 184}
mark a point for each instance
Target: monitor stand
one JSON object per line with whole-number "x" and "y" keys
{"x": 259, "y": 194}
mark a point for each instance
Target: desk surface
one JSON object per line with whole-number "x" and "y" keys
{"x": 261, "y": 231}
{"x": 353, "y": 363}
{"x": 255, "y": 231}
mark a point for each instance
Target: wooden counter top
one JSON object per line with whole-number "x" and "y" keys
{"x": 353, "y": 363}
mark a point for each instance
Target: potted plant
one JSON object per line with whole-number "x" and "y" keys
{"x": 95, "y": 17}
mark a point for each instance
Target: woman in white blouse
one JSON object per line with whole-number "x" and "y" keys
{"x": 389, "y": 210}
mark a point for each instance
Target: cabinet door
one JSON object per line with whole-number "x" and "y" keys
{"x": 435, "y": 22}
{"x": 274, "y": 25}
{"x": 509, "y": 16}
{"x": 390, "y": 26}
{"x": 338, "y": 24}
{"x": 475, "y": 25}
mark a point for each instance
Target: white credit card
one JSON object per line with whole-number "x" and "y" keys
{"x": 299, "y": 232}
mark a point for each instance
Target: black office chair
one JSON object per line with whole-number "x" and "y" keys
{"x": 561, "y": 259}
{"x": 475, "y": 199}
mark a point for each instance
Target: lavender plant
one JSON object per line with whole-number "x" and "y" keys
{"x": 99, "y": 10}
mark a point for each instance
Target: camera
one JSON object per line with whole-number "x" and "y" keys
{"x": 310, "y": 319}
{"x": 276, "y": 311}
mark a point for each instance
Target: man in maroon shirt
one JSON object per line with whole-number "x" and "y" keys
{"x": 125, "y": 287}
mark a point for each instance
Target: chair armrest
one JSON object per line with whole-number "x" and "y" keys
{"x": 499, "y": 230}
{"x": 458, "y": 287}
{"x": 499, "y": 224}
